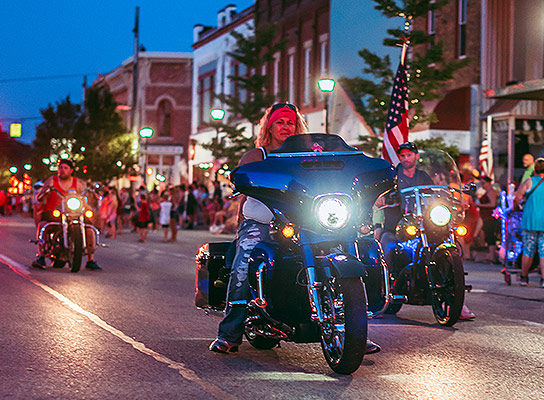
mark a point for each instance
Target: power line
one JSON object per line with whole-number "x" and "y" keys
{"x": 18, "y": 119}
{"x": 45, "y": 77}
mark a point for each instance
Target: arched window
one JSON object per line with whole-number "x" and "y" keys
{"x": 165, "y": 118}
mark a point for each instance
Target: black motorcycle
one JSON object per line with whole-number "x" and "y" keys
{"x": 309, "y": 284}
{"x": 426, "y": 264}
{"x": 64, "y": 240}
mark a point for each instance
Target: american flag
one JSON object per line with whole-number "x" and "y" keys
{"x": 396, "y": 127}
{"x": 485, "y": 160}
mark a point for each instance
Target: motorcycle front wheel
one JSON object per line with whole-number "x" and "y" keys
{"x": 447, "y": 278}
{"x": 76, "y": 248}
{"x": 344, "y": 329}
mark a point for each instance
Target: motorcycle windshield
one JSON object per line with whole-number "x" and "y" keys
{"x": 310, "y": 166}
{"x": 444, "y": 188}
{"x": 440, "y": 167}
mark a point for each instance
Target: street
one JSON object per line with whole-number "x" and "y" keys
{"x": 132, "y": 331}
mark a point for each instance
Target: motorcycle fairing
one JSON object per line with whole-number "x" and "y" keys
{"x": 289, "y": 182}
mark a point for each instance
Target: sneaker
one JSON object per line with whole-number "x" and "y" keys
{"x": 372, "y": 347}
{"x": 59, "y": 264}
{"x": 466, "y": 314}
{"x": 542, "y": 283}
{"x": 523, "y": 280}
{"x": 223, "y": 347}
{"x": 92, "y": 265}
{"x": 39, "y": 263}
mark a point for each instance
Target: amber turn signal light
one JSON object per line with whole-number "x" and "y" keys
{"x": 288, "y": 231}
{"x": 461, "y": 230}
{"x": 411, "y": 230}
{"x": 89, "y": 213}
{"x": 56, "y": 213}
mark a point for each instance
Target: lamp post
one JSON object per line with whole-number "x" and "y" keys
{"x": 326, "y": 85}
{"x": 145, "y": 134}
{"x": 217, "y": 115}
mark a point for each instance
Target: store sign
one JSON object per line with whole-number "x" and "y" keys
{"x": 15, "y": 130}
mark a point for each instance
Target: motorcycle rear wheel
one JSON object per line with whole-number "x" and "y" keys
{"x": 448, "y": 278}
{"x": 76, "y": 248}
{"x": 344, "y": 331}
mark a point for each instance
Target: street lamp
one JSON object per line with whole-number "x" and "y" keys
{"x": 217, "y": 115}
{"x": 145, "y": 134}
{"x": 326, "y": 85}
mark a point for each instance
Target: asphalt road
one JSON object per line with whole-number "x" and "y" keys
{"x": 131, "y": 331}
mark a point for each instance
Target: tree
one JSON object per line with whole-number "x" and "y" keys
{"x": 250, "y": 97}
{"x": 104, "y": 137}
{"x": 429, "y": 72}
{"x": 55, "y": 135}
{"x": 96, "y": 139}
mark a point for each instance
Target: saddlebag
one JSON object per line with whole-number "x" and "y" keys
{"x": 210, "y": 262}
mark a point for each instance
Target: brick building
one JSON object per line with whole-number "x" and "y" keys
{"x": 163, "y": 104}
{"x": 295, "y": 72}
{"x": 457, "y": 26}
{"x": 504, "y": 40}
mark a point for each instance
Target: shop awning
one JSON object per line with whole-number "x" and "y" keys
{"x": 527, "y": 90}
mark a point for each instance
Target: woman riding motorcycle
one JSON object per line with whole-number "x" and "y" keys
{"x": 278, "y": 123}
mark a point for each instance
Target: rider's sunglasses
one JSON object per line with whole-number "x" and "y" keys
{"x": 281, "y": 105}
{"x": 407, "y": 146}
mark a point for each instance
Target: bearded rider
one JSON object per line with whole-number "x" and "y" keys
{"x": 64, "y": 182}
{"x": 407, "y": 175}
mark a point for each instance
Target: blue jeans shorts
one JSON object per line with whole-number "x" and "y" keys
{"x": 533, "y": 240}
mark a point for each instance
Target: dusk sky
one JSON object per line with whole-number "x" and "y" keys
{"x": 50, "y": 39}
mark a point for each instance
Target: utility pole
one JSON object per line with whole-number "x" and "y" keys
{"x": 84, "y": 93}
{"x": 133, "y": 109}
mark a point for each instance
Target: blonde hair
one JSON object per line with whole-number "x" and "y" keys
{"x": 264, "y": 136}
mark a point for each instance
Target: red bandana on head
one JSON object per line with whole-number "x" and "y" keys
{"x": 281, "y": 113}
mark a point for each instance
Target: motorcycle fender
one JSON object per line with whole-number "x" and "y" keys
{"x": 444, "y": 248}
{"x": 343, "y": 266}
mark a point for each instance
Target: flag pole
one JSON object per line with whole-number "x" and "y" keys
{"x": 403, "y": 54}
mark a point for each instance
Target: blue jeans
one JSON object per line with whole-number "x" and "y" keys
{"x": 250, "y": 232}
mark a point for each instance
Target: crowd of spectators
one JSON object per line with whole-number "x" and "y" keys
{"x": 181, "y": 207}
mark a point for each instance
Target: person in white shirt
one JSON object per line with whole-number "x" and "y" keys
{"x": 164, "y": 216}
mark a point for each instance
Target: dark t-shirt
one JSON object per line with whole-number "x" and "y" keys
{"x": 392, "y": 215}
{"x": 420, "y": 178}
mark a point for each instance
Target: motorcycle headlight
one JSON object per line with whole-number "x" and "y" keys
{"x": 73, "y": 203}
{"x": 332, "y": 212}
{"x": 440, "y": 215}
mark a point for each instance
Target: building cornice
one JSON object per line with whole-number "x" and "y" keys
{"x": 214, "y": 33}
